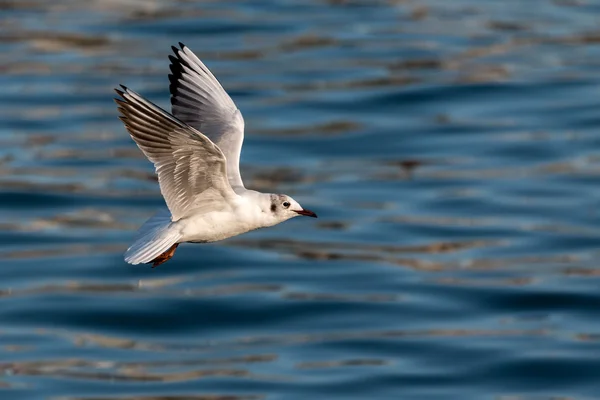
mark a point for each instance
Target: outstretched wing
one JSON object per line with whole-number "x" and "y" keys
{"x": 192, "y": 170}
{"x": 198, "y": 99}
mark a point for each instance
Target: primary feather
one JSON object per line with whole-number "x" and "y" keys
{"x": 198, "y": 99}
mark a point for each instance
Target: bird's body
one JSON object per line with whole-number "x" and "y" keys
{"x": 244, "y": 214}
{"x": 196, "y": 152}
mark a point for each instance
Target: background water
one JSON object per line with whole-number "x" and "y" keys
{"x": 450, "y": 148}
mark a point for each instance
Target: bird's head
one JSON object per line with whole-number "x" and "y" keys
{"x": 283, "y": 207}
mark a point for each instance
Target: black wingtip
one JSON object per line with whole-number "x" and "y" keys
{"x": 175, "y": 67}
{"x": 178, "y": 50}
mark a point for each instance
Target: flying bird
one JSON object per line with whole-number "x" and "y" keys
{"x": 195, "y": 150}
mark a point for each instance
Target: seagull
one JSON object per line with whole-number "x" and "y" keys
{"x": 195, "y": 150}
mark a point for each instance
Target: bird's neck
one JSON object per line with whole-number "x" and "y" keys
{"x": 260, "y": 204}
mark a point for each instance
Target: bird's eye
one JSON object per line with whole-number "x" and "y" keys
{"x": 286, "y": 204}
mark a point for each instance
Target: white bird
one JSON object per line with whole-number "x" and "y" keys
{"x": 196, "y": 153}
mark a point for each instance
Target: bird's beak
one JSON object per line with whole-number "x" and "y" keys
{"x": 306, "y": 213}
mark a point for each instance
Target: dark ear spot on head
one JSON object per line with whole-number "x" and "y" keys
{"x": 273, "y": 207}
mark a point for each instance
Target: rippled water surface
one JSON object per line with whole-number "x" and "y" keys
{"x": 450, "y": 148}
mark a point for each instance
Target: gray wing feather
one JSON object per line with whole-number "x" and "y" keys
{"x": 192, "y": 171}
{"x": 198, "y": 99}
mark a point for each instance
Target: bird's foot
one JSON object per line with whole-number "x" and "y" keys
{"x": 164, "y": 257}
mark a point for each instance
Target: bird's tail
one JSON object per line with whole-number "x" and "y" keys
{"x": 154, "y": 238}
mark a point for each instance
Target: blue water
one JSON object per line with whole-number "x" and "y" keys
{"x": 450, "y": 148}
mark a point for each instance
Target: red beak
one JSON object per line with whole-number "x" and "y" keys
{"x": 306, "y": 213}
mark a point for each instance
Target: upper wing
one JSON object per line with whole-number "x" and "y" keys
{"x": 192, "y": 171}
{"x": 198, "y": 99}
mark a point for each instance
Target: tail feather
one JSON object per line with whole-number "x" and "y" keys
{"x": 154, "y": 238}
